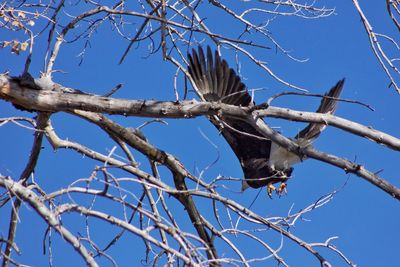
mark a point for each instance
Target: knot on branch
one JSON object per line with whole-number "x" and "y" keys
{"x": 215, "y": 107}
{"x": 260, "y": 106}
{"x": 301, "y": 151}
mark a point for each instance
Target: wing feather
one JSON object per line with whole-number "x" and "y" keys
{"x": 217, "y": 82}
{"x": 328, "y": 106}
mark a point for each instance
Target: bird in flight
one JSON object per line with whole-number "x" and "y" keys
{"x": 263, "y": 162}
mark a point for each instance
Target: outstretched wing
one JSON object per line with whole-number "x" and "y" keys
{"x": 327, "y": 106}
{"x": 215, "y": 81}
{"x": 259, "y": 158}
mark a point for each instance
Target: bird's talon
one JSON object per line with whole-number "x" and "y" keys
{"x": 282, "y": 189}
{"x": 270, "y": 188}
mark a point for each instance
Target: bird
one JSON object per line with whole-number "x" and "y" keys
{"x": 264, "y": 163}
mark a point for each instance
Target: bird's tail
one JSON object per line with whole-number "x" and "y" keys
{"x": 327, "y": 106}
{"x": 214, "y": 80}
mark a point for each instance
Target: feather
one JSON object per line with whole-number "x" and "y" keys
{"x": 262, "y": 162}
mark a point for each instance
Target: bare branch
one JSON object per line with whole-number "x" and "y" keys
{"x": 52, "y": 101}
{"x": 376, "y": 47}
{"x": 182, "y": 217}
{"x": 33, "y": 200}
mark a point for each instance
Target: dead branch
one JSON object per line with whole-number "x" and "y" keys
{"x": 383, "y": 59}
{"x": 51, "y": 101}
{"x": 54, "y": 101}
{"x": 148, "y": 200}
{"x": 50, "y": 217}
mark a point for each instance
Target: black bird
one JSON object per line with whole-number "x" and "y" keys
{"x": 263, "y": 162}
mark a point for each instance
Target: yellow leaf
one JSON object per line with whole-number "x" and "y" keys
{"x": 24, "y": 46}
{"x": 15, "y": 48}
{"x": 6, "y": 43}
{"x": 15, "y": 23}
{"x": 21, "y": 14}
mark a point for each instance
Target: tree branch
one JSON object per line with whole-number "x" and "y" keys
{"x": 52, "y": 101}
{"x": 47, "y": 215}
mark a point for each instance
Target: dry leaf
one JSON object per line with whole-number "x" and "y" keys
{"x": 15, "y": 48}
{"x": 24, "y": 46}
{"x": 16, "y": 23}
{"x": 6, "y": 43}
{"x": 21, "y": 14}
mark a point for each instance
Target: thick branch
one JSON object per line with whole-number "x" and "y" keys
{"x": 248, "y": 214}
{"x": 56, "y": 100}
{"x": 176, "y": 167}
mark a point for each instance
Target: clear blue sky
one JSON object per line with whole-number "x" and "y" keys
{"x": 365, "y": 219}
